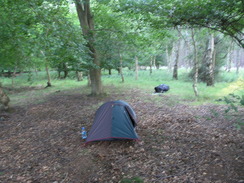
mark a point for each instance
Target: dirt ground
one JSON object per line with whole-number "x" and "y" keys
{"x": 40, "y": 142}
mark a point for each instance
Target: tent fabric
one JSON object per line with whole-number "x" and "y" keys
{"x": 113, "y": 120}
{"x": 161, "y": 88}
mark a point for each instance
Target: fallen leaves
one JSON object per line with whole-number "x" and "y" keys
{"x": 41, "y": 143}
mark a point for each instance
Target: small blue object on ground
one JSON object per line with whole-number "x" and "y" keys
{"x": 83, "y": 133}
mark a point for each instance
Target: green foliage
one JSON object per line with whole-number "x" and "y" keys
{"x": 122, "y": 32}
{"x": 242, "y": 100}
{"x": 233, "y": 100}
{"x": 225, "y": 16}
{"x": 34, "y": 33}
{"x": 15, "y": 20}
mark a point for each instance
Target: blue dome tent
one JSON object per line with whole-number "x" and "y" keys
{"x": 113, "y": 120}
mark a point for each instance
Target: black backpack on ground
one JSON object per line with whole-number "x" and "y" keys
{"x": 161, "y": 88}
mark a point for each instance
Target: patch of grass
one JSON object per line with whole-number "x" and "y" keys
{"x": 95, "y": 106}
{"x": 229, "y": 77}
{"x": 36, "y": 91}
{"x": 132, "y": 180}
{"x": 180, "y": 90}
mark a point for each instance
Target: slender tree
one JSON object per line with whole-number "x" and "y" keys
{"x": 79, "y": 75}
{"x": 151, "y": 64}
{"x": 195, "y": 61}
{"x": 121, "y": 68}
{"x": 229, "y": 57}
{"x": 136, "y": 67}
{"x": 210, "y": 61}
{"x": 238, "y": 61}
{"x": 175, "y": 70}
{"x": 47, "y": 70}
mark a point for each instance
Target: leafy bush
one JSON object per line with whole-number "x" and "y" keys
{"x": 232, "y": 100}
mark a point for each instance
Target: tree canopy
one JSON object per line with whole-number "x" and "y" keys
{"x": 225, "y": 16}
{"x": 36, "y": 33}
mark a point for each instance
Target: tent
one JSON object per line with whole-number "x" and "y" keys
{"x": 113, "y": 120}
{"x": 161, "y": 88}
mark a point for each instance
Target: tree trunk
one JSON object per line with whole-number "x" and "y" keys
{"x": 110, "y": 71}
{"x": 175, "y": 70}
{"x": 59, "y": 70}
{"x": 210, "y": 61}
{"x": 229, "y": 57}
{"x": 47, "y": 71}
{"x": 118, "y": 69}
{"x": 187, "y": 60}
{"x": 238, "y": 61}
{"x": 214, "y": 62}
{"x": 151, "y": 62}
{"x": 88, "y": 79}
{"x": 167, "y": 56}
{"x": 9, "y": 74}
{"x": 121, "y": 68}
{"x": 48, "y": 76}
{"x": 154, "y": 62}
{"x": 4, "y": 99}
{"x": 171, "y": 57}
{"x": 196, "y": 66}
{"x": 136, "y": 67}
{"x": 79, "y": 76}
{"x": 87, "y": 26}
{"x": 65, "y": 70}
{"x": 13, "y": 76}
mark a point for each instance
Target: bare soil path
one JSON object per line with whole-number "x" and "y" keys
{"x": 179, "y": 143}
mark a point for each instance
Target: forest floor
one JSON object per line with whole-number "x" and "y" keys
{"x": 40, "y": 142}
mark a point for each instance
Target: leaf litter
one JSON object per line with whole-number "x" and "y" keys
{"x": 178, "y": 143}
